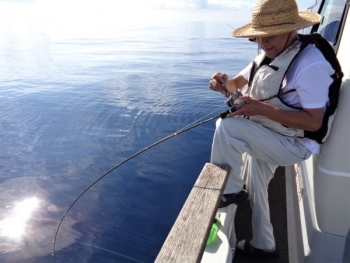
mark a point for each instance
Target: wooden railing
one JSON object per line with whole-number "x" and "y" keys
{"x": 188, "y": 236}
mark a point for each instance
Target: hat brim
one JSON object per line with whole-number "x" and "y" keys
{"x": 304, "y": 20}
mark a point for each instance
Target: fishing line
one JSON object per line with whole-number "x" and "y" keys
{"x": 186, "y": 128}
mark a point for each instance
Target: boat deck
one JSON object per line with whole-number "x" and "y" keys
{"x": 278, "y": 214}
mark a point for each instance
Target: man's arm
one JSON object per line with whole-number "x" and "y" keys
{"x": 305, "y": 119}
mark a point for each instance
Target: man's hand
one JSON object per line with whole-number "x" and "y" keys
{"x": 251, "y": 107}
{"x": 232, "y": 85}
{"x": 216, "y": 82}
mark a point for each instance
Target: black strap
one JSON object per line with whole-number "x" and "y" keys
{"x": 279, "y": 95}
{"x": 252, "y": 74}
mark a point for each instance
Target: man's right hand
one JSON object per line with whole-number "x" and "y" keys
{"x": 216, "y": 82}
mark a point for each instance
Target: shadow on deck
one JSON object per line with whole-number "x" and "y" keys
{"x": 278, "y": 215}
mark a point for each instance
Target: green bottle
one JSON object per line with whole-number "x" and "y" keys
{"x": 214, "y": 230}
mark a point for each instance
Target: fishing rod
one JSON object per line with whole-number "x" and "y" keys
{"x": 222, "y": 115}
{"x": 233, "y": 100}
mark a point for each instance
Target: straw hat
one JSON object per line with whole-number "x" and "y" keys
{"x": 275, "y": 17}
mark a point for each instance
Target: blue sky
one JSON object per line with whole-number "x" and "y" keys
{"x": 229, "y": 11}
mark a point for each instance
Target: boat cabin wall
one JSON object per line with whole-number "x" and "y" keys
{"x": 332, "y": 173}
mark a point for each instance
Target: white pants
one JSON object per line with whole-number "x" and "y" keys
{"x": 266, "y": 151}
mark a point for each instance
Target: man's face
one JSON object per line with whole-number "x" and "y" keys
{"x": 273, "y": 45}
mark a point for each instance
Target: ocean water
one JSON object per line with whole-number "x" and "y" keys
{"x": 74, "y": 104}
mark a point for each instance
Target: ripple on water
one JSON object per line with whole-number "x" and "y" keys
{"x": 78, "y": 107}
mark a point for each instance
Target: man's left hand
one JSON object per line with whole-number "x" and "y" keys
{"x": 252, "y": 107}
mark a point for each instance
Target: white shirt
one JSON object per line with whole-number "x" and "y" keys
{"x": 310, "y": 76}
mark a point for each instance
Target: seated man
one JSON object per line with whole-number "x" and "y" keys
{"x": 285, "y": 90}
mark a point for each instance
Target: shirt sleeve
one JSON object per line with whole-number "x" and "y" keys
{"x": 313, "y": 91}
{"x": 246, "y": 71}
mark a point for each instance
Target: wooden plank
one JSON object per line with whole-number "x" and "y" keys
{"x": 188, "y": 236}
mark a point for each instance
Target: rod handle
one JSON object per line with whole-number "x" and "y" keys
{"x": 225, "y": 113}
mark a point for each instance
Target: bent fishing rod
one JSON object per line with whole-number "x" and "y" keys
{"x": 222, "y": 115}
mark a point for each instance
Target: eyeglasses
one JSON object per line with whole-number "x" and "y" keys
{"x": 261, "y": 39}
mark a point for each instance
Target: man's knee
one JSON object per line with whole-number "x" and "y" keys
{"x": 234, "y": 125}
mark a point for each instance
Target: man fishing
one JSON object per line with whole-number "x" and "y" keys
{"x": 285, "y": 90}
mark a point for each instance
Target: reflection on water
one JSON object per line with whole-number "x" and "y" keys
{"x": 74, "y": 106}
{"x": 14, "y": 225}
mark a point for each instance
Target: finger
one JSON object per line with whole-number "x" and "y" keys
{"x": 233, "y": 114}
{"x": 224, "y": 77}
{"x": 240, "y": 112}
{"x": 216, "y": 75}
{"x": 220, "y": 77}
{"x": 214, "y": 85}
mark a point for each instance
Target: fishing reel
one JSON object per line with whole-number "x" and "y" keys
{"x": 234, "y": 102}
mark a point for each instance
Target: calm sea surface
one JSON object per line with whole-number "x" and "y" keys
{"x": 74, "y": 104}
